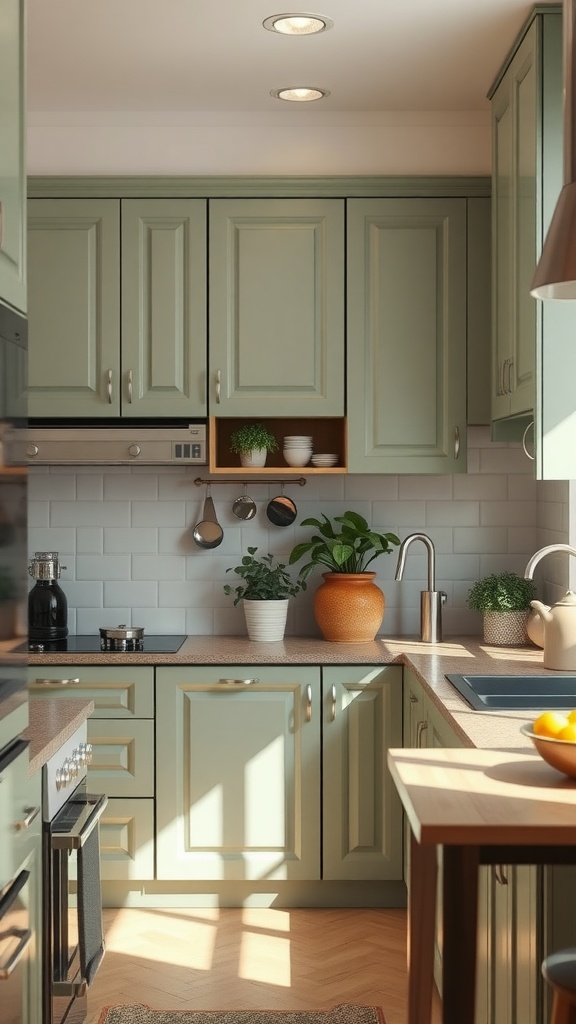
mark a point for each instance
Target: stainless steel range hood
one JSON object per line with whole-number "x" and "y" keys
{"x": 555, "y": 276}
{"x": 126, "y": 444}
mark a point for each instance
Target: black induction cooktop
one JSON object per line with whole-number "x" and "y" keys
{"x": 86, "y": 644}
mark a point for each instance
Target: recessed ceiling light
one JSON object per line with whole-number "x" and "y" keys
{"x": 302, "y": 94}
{"x": 297, "y": 24}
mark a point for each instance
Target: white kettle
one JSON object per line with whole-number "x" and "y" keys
{"x": 559, "y": 632}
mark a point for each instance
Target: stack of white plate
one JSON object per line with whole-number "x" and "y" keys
{"x": 324, "y": 461}
{"x": 297, "y": 449}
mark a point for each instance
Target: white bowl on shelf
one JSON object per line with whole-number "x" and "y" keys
{"x": 297, "y": 456}
{"x": 324, "y": 461}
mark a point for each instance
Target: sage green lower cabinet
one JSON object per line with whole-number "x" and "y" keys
{"x": 121, "y": 731}
{"x": 406, "y": 316}
{"x": 13, "y": 154}
{"x": 508, "y": 988}
{"x": 361, "y": 810}
{"x": 238, "y": 772}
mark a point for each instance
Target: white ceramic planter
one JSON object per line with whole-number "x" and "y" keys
{"x": 266, "y": 620}
{"x": 257, "y": 457}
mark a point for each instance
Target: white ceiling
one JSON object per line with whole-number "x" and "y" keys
{"x": 212, "y": 56}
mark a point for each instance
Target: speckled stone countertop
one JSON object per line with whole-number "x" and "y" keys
{"x": 51, "y": 723}
{"x": 429, "y": 662}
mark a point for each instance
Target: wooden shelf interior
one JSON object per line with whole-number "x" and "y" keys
{"x": 328, "y": 436}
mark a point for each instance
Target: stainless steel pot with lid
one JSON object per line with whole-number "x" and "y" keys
{"x": 122, "y": 632}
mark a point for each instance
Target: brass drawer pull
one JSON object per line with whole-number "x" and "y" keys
{"x": 55, "y": 682}
{"x": 239, "y": 682}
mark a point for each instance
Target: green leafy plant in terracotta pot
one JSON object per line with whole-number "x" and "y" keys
{"x": 504, "y": 600}
{"x": 348, "y": 606}
{"x": 265, "y": 591}
{"x": 252, "y": 442}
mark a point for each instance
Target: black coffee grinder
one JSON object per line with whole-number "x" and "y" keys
{"x": 47, "y": 604}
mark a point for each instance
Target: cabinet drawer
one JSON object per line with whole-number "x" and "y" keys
{"x": 122, "y": 757}
{"x": 116, "y": 692}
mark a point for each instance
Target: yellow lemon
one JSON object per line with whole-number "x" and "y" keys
{"x": 568, "y": 732}
{"x": 572, "y": 716}
{"x": 550, "y": 723}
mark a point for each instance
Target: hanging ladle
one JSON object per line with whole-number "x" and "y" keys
{"x": 281, "y": 510}
{"x": 208, "y": 533}
{"x": 244, "y": 507}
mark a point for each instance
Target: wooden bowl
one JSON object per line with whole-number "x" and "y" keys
{"x": 560, "y": 754}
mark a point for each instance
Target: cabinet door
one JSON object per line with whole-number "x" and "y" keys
{"x": 122, "y": 757}
{"x": 524, "y": 85}
{"x": 74, "y": 307}
{"x": 163, "y": 307}
{"x": 502, "y": 247}
{"x": 12, "y": 156}
{"x": 238, "y": 773}
{"x": 127, "y": 840}
{"x": 407, "y": 335}
{"x": 276, "y": 307}
{"x": 361, "y": 810}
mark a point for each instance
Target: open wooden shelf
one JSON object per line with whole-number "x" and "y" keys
{"x": 328, "y": 435}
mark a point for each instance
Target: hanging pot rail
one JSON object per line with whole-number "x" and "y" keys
{"x": 300, "y": 480}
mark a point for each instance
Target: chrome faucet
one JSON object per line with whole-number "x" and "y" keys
{"x": 548, "y": 550}
{"x": 431, "y": 600}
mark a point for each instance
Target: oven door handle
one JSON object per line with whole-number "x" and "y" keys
{"x": 90, "y": 809}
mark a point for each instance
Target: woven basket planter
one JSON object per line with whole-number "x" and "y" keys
{"x": 505, "y": 629}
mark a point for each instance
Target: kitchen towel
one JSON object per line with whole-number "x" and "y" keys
{"x": 90, "y": 929}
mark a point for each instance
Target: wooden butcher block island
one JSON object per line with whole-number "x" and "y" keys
{"x": 481, "y": 807}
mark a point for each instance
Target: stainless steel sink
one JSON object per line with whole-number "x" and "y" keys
{"x": 509, "y": 693}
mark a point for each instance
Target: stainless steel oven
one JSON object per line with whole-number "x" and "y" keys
{"x": 73, "y": 933}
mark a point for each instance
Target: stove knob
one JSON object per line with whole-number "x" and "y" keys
{"x": 73, "y": 765}
{"x": 63, "y": 777}
{"x": 85, "y": 752}
{"x": 134, "y": 450}
{"x": 32, "y": 450}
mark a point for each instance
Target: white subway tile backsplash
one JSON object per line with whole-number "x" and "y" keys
{"x": 127, "y": 593}
{"x": 127, "y": 538}
{"x": 137, "y": 540}
{"x": 90, "y": 513}
{"x": 103, "y": 567}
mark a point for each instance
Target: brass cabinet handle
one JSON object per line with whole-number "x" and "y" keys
{"x": 218, "y": 383}
{"x": 239, "y": 682}
{"x": 456, "y": 442}
{"x": 308, "y": 703}
{"x": 510, "y": 365}
{"x": 55, "y": 682}
{"x": 31, "y": 813}
{"x": 413, "y": 698}
{"x": 109, "y": 386}
{"x": 24, "y": 936}
{"x": 333, "y": 708}
{"x": 130, "y": 386}
{"x": 499, "y": 875}
{"x": 420, "y": 730}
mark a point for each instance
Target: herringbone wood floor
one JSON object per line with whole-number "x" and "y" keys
{"x": 253, "y": 959}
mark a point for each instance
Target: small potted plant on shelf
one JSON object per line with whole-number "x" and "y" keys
{"x": 252, "y": 442}
{"x": 504, "y": 600}
{"x": 265, "y": 590}
{"x": 348, "y": 606}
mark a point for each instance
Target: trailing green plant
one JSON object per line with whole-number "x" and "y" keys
{"x": 351, "y": 550}
{"x": 501, "y": 592}
{"x": 264, "y": 579}
{"x": 252, "y": 437}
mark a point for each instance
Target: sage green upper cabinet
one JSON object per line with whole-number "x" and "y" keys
{"x": 407, "y": 335}
{"x": 534, "y": 355}
{"x": 514, "y": 236}
{"x": 12, "y": 156}
{"x": 276, "y": 307}
{"x": 117, "y": 328}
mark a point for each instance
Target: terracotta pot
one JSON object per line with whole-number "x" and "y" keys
{"x": 349, "y": 607}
